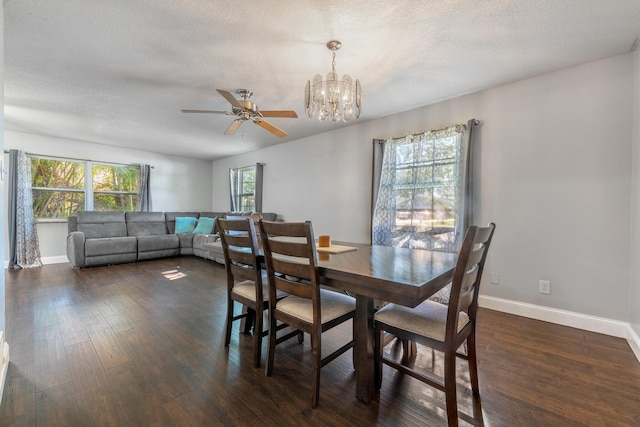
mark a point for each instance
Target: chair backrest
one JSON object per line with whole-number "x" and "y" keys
{"x": 241, "y": 251}
{"x": 468, "y": 274}
{"x": 292, "y": 259}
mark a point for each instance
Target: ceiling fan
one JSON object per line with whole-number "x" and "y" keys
{"x": 247, "y": 110}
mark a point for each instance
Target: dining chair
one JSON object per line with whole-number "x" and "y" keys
{"x": 246, "y": 279}
{"x": 292, "y": 266}
{"x": 442, "y": 327}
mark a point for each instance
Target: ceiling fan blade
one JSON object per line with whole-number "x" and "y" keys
{"x": 271, "y": 128}
{"x": 233, "y": 127}
{"x": 206, "y": 111}
{"x": 279, "y": 113}
{"x": 229, "y": 97}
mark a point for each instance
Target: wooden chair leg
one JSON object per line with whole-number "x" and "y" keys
{"x": 257, "y": 338}
{"x": 353, "y": 337}
{"x": 315, "y": 380}
{"x": 450, "y": 388}
{"x": 227, "y": 337}
{"x": 248, "y": 321}
{"x": 272, "y": 343}
{"x": 473, "y": 364}
{"x": 409, "y": 350}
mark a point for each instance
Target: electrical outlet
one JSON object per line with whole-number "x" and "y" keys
{"x": 495, "y": 279}
{"x": 545, "y": 287}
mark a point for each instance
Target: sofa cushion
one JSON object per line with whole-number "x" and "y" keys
{"x": 145, "y": 223}
{"x": 185, "y": 224}
{"x": 199, "y": 240}
{"x": 269, "y": 216}
{"x": 205, "y": 225}
{"x": 101, "y": 224}
{"x": 155, "y": 243}
{"x": 186, "y": 243}
{"x": 213, "y": 215}
{"x": 170, "y": 219}
{"x": 109, "y": 246}
{"x": 110, "y": 259}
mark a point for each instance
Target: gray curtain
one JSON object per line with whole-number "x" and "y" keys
{"x": 24, "y": 248}
{"x": 144, "y": 189}
{"x": 258, "y": 190}
{"x": 467, "y": 201}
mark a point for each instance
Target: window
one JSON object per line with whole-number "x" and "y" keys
{"x": 114, "y": 188}
{"x": 426, "y": 186}
{"x": 63, "y": 187}
{"x": 246, "y": 188}
{"x": 244, "y": 194}
{"x": 419, "y": 201}
{"x": 57, "y": 186}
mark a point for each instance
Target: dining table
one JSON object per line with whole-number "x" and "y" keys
{"x": 396, "y": 275}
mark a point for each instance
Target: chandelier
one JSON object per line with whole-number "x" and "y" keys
{"x": 333, "y": 98}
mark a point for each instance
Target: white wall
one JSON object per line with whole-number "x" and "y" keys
{"x": 4, "y": 346}
{"x": 2, "y": 182}
{"x": 177, "y": 183}
{"x": 634, "y": 293}
{"x": 553, "y": 170}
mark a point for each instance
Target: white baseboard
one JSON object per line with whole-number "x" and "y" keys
{"x": 4, "y": 346}
{"x": 585, "y": 322}
{"x": 634, "y": 341}
{"x": 54, "y": 260}
{"x": 46, "y": 260}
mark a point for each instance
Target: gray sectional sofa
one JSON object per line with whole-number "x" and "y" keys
{"x": 101, "y": 238}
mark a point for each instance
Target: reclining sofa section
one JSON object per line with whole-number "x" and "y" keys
{"x": 101, "y": 238}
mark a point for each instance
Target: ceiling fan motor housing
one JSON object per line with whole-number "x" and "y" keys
{"x": 250, "y": 106}
{"x": 247, "y": 110}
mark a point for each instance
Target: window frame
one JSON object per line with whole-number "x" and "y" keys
{"x": 420, "y": 190}
{"x": 239, "y": 194}
{"x": 88, "y": 184}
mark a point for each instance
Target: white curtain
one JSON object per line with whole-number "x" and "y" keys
{"x": 24, "y": 248}
{"x": 233, "y": 193}
{"x": 421, "y": 199}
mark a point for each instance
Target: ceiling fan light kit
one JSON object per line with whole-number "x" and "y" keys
{"x": 247, "y": 110}
{"x": 333, "y": 98}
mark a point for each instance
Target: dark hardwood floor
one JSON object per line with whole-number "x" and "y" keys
{"x": 142, "y": 345}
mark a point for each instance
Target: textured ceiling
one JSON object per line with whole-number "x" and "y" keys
{"x": 118, "y": 72}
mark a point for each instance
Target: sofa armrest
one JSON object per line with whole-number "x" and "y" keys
{"x": 75, "y": 249}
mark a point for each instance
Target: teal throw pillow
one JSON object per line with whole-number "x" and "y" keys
{"x": 185, "y": 224}
{"x": 205, "y": 225}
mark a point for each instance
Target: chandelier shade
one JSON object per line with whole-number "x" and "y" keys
{"x": 335, "y": 98}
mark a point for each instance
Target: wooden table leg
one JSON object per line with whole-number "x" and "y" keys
{"x": 363, "y": 330}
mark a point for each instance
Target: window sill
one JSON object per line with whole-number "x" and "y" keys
{"x": 51, "y": 220}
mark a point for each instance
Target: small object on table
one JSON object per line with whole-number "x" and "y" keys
{"x": 324, "y": 241}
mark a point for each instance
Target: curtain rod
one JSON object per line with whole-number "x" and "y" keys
{"x": 81, "y": 160}
{"x": 476, "y": 122}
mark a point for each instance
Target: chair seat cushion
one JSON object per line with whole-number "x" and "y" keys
{"x": 247, "y": 289}
{"x": 429, "y": 319}
{"x": 333, "y": 305}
